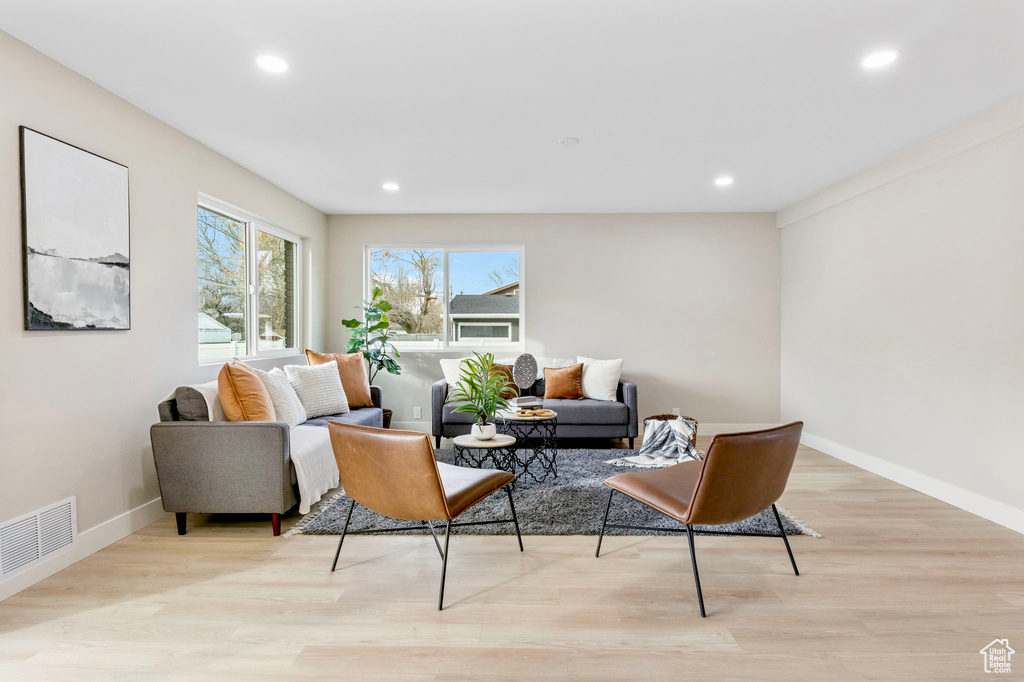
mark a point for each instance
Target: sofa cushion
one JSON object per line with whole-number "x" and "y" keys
{"x": 506, "y": 373}
{"x": 287, "y": 405}
{"x": 364, "y": 416}
{"x": 199, "y": 403}
{"x": 581, "y": 412}
{"x": 243, "y": 395}
{"x": 450, "y": 416}
{"x": 319, "y": 388}
{"x": 566, "y": 382}
{"x": 588, "y": 411}
{"x": 352, "y": 371}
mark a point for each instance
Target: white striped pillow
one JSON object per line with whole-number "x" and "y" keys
{"x": 286, "y": 401}
{"x": 319, "y": 388}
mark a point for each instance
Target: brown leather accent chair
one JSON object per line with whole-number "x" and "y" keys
{"x": 396, "y": 474}
{"x": 742, "y": 475}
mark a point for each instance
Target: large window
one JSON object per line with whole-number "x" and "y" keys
{"x": 450, "y": 297}
{"x": 248, "y": 285}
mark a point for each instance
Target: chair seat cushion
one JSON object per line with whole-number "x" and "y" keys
{"x": 465, "y": 486}
{"x": 668, "y": 490}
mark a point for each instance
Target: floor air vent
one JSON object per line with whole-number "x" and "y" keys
{"x": 29, "y": 539}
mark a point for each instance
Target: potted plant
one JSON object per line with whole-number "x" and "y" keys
{"x": 480, "y": 392}
{"x": 371, "y": 336}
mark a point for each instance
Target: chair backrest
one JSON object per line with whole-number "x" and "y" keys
{"x": 743, "y": 474}
{"x": 392, "y": 472}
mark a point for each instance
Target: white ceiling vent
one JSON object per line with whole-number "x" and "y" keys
{"x": 29, "y": 539}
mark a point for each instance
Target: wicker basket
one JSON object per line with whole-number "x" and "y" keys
{"x": 673, "y": 417}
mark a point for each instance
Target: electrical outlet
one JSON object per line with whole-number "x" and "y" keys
{"x": 417, "y": 413}
{"x": 675, "y": 411}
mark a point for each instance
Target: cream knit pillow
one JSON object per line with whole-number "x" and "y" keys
{"x": 319, "y": 388}
{"x": 287, "y": 405}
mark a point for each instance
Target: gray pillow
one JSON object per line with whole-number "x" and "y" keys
{"x": 191, "y": 405}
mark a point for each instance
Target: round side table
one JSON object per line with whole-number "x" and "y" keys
{"x": 499, "y": 451}
{"x": 536, "y": 442}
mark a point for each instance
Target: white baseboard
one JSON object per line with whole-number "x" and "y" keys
{"x": 715, "y": 429}
{"x": 421, "y": 425}
{"x": 89, "y": 542}
{"x": 972, "y": 502}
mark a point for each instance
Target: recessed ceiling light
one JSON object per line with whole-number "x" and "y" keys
{"x": 877, "y": 60}
{"x": 569, "y": 141}
{"x": 269, "y": 62}
{"x": 391, "y": 186}
{"x": 723, "y": 181}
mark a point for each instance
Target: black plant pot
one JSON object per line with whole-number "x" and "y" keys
{"x": 387, "y": 418}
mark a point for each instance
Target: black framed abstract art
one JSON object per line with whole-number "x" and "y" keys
{"x": 75, "y": 237}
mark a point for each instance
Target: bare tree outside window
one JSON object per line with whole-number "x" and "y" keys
{"x": 507, "y": 273}
{"x": 222, "y": 290}
{"x": 411, "y": 281}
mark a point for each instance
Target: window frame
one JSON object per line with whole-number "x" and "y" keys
{"x": 253, "y": 225}
{"x": 448, "y": 344}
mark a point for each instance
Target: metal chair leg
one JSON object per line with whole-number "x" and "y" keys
{"x": 782, "y": 532}
{"x": 343, "y": 531}
{"x": 515, "y": 519}
{"x": 437, "y": 543}
{"x": 444, "y": 563}
{"x": 604, "y": 523}
{"x": 696, "y": 576}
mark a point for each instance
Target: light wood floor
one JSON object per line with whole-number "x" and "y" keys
{"x": 900, "y": 587}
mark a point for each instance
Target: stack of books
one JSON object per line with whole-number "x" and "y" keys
{"x": 525, "y": 401}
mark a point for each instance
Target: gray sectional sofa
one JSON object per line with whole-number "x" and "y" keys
{"x": 576, "y": 418}
{"x": 222, "y": 467}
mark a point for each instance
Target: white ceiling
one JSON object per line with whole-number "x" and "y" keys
{"x": 463, "y": 102}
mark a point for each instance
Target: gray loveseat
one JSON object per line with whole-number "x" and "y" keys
{"x": 576, "y": 418}
{"x": 222, "y": 467}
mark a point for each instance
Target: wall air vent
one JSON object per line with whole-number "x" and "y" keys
{"x": 29, "y": 539}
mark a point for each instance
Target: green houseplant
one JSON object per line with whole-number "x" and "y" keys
{"x": 479, "y": 392}
{"x": 371, "y": 336}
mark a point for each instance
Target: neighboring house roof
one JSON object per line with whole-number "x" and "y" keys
{"x": 509, "y": 288}
{"x": 482, "y": 304}
{"x": 207, "y": 323}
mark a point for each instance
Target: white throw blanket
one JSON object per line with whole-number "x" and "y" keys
{"x": 316, "y": 470}
{"x": 665, "y": 443}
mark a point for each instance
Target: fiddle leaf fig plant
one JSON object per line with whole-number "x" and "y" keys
{"x": 479, "y": 389}
{"x": 371, "y": 336}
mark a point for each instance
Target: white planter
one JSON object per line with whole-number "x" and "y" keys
{"x": 485, "y": 432}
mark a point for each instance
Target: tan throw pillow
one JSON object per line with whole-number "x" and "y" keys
{"x": 565, "y": 383}
{"x": 243, "y": 395}
{"x": 352, "y": 369}
{"x": 506, "y": 372}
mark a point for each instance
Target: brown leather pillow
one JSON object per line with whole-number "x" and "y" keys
{"x": 506, "y": 371}
{"x": 243, "y": 395}
{"x": 352, "y": 369}
{"x": 564, "y": 382}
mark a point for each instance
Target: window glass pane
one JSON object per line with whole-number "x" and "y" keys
{"x": 275, "y": 273}
{"x": 222, "y": 286}
{"x": 412, "y": 281}
{"x": 484, "y": 306}
{"x": 480, "y": 331}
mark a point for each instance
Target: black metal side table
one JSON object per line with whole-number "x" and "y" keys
{"x": 536, "y": 443}
{"x": 498, "y": 451}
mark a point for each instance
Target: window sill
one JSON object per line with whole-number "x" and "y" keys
{"x": 254, "y": 358}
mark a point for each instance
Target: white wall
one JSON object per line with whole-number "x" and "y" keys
{"x": 903, "y": 316}
{"x": 690, "y": 301}
{"x": 76, "y": 406}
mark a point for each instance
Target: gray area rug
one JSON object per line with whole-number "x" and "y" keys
{"x": 572, "y": 504}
